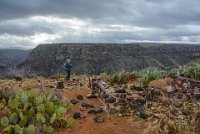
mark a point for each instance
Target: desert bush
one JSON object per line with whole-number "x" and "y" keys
{"x": 192, "y": 70}
{"x": 135, "y": 75}
{"x": 29, "y": 111}
{"x": 117, "y": 78}
{"x": 173, "y": 72}
{"x": 151, "y": 74}
{"x": 104, "y": 75}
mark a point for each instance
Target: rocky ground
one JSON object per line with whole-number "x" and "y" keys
{"x": 166, "y": 106}
{"x": 86, "y": 124}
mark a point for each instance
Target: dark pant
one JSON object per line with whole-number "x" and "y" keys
{"x": 68, "y": 75}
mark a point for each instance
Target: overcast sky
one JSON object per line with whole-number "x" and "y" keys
{"x": 27, "y": 23}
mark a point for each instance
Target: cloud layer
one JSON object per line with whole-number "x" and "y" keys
{"x": 25, "y": 24}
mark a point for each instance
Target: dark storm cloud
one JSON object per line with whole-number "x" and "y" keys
{"x": 67, "y": 8}
{"x": 29, "y": 22}
{"x": 143, "y": 12}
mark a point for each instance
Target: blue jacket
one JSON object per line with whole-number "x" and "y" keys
{"x": 67, "y": 67}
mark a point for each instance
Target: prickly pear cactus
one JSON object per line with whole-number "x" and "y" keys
{"x": 40, "y": 119}
{"x": 4, "y": 121}
{"x": 14, "y": 118}
{"x": 18, "y": 129}
{"x": 30, "y": 129}
{"x": 47, "y": 129}
{"x": 29, "y": 111}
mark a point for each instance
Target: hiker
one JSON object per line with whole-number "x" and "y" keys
{"x": 67, "y": 67}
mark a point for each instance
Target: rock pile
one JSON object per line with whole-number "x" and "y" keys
{"x": 87, "y": 107}
{"x": 186, "y": 86}
{"x": 118, "y": 100}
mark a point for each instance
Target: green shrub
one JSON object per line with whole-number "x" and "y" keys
{"x": 135, "y": 75}
{"x": 173, "y": 72}
{"x": 118, "y": 78}
{"x": 191, "y": 70}
{"x": 151, "y": 74}
{"x": 121, "y": 78}
{"x": 105, "y": 75}
{"x": 145, "y": 76}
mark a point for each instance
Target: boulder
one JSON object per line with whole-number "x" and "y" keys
{"x": 186, "y": 85}
{"x": 142, "y": 114}
{"x": 60, "y": 85}
{"x": 76, "y": 115}
{"x": 169, "y": 89}
{"x": 99, "y": 119}
{"x": 74, "y": 101}
{"x": 141, "y": 101}
{"x": 110, "y": 100}
{"x": 87, "y": 105}
{"x": 137, "y": 88}
{"x": 92, "y": 96}
{"x": 80, "y": 97}
{"x": 196, "y": 96}
{"x": 92, "y": 111}
{"x": 120, "y": 91}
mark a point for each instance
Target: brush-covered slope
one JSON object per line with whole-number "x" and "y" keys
{"x": 48, "y": 59}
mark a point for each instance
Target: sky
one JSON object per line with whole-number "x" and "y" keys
{"x": 27, "y": 23}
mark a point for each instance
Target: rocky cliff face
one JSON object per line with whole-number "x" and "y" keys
{"x": 47, "y": 60}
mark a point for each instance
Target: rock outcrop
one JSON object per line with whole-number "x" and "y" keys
{"x": 47, "y": 60}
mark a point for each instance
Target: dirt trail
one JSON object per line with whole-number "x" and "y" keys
{"x": 112, "y": 124}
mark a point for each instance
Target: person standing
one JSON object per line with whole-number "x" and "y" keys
{"x": 67, "y": 68}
